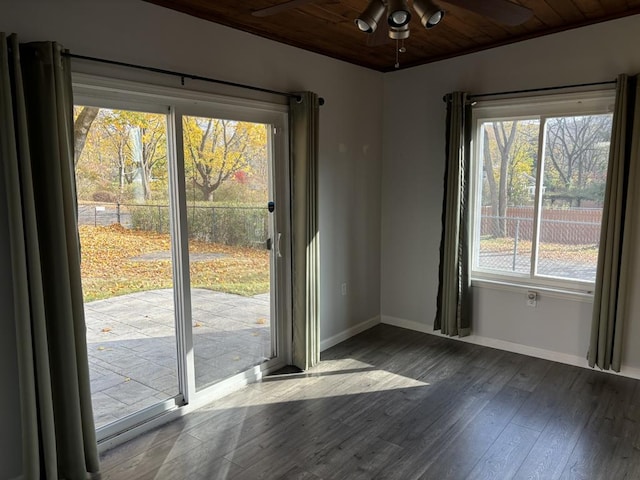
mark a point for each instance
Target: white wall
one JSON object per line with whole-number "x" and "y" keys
{"x": 413, "y": 169}
{"x": 350, "y": 121}
{"x": 353, "y": 167}
{"x": 350, "y": 131}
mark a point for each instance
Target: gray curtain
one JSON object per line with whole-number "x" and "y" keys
{"x": 303, "y": 120}
{"x": 36, "y": 148}
{"x": 453, "y": 315}
{"x": 609, "y": 314}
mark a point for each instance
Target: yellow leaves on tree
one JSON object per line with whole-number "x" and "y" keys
{"x": 142, "y": 146}
{"x": 216, "y": 149}
{"x": 125, "y": 154}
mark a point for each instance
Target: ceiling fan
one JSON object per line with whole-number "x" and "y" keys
{"x": 398, "y": 16}
{"x": 501, "y": 11}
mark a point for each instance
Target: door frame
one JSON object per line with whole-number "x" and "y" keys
{"x": 174, "y": 102}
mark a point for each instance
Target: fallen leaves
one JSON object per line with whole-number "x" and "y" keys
{"x": 110, "y": 266}
{"x": 579, "y": 254}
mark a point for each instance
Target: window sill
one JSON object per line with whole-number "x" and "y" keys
{"x": 553, "y": 292}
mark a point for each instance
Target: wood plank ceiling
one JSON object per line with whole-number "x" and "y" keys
{"x": 327, "y": 27}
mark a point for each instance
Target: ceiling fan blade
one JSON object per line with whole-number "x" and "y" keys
{"x": 502, "y": 11}
{"x": 265, "y": 12}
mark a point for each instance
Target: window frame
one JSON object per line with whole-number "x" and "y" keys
{"x": 540, "y": 107}
{"x": 106, "y": 92}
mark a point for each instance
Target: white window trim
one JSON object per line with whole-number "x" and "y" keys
{"x": 115, "y": 93}
{"x": 547, "y": 105}
{"x": 541, "y": 106}
{"x": 553, "y": 292}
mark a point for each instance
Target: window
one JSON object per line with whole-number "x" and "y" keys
{"x": 183, "y": 203}
{"x": 539, "y": 176}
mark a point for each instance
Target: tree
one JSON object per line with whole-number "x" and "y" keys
{"x": 137, "y": 147}
{"x": 502, "y": 136}
{"x": 490, "y": 177}
{"x": 122, "y": 150}
{"x": 93, "y": 172}
{"x": 522, "y": 164}
{"x": 81, "y": 127}
{"x": 509, "y": 151}
{"x": 215, "y": 150}
{"x": 578, "y": 159}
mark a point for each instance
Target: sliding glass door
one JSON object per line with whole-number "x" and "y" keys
{"x": 127, "y": 271}
{"x": 183, "y": 224}
{"x": 228, "y": 189}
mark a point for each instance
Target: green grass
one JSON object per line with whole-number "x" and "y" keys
{"x": 111, "y": 264}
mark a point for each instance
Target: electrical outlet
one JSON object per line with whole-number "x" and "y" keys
{"x": 344, "y": 289}
{"x": 532, "y": 299}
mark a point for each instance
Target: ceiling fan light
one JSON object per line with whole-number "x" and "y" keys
{"x": 399, "y": 14}
{"x": 368, "y": 20}
{"x": 435, "y": 19}
{"x": 363, "y": 26}
{"x": 430, "y": 14}
{"x": 399, "y": 33}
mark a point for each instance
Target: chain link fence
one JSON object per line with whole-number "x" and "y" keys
{"x": 566, "y": 248}
{"x": 228, "y": 225}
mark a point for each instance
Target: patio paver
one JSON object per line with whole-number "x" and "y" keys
{"x": 132, "y": 346}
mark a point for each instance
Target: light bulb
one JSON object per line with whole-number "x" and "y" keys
{"x": 362, "y": 25}
{"x": 399, "y": 17}
{"x": 435, "y": 18}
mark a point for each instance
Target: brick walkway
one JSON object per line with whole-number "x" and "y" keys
{"x": 132, "y": 346}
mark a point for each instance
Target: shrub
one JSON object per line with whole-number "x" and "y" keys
{"x": 225, "y": 224}
{"x": 150, "y": 218}
{"x": 229, "y": 225}
{"x": 106, "y": 197}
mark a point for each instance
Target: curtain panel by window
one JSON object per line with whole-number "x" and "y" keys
{"x": 453, "y": 316}
{"x": 36, "y": 150}
{"x": 303, "y": 127}
{"x": 616, "y": 242}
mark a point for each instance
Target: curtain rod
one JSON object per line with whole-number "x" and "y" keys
{"x": 541, "y": 89}
{"x": 183, "y": 75}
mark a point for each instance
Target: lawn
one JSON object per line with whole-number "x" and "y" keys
{"x": 577, "y": 254}
{"x": 117, "y": 261}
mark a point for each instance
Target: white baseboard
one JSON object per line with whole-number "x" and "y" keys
{"x": 348, "y": 333}
{"x": 559, "y": 357}
{"x": 408, "y": 324}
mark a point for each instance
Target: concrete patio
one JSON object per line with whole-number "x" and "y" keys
{"x": 132, "y": 346}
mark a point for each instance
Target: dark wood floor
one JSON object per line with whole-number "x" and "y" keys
{"x": 396, "y": 404}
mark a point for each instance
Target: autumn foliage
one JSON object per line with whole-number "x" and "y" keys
{"x": 117, "y": 261}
